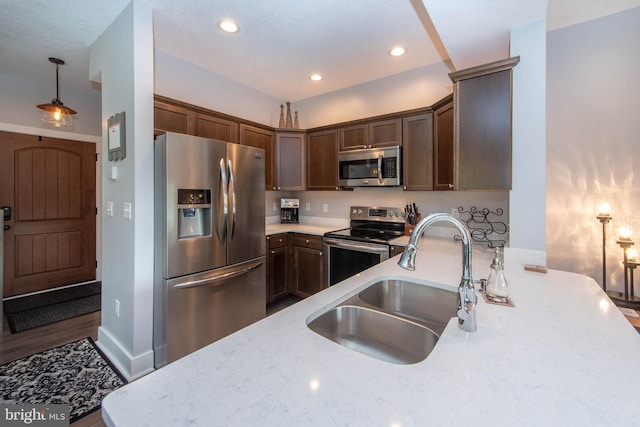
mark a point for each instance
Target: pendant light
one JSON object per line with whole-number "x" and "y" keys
{"x": 55, "y": 114}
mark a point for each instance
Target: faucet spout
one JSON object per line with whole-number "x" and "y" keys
{"x": 467, "y": 298}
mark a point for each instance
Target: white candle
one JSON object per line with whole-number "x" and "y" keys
{"x": 624, "y": 233}
{"x": 604, "y": 209}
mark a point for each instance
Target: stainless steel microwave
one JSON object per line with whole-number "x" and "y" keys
{"x": 370, "y": 167}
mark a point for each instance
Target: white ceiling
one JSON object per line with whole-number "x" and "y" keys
{"x": 282, "y": 42}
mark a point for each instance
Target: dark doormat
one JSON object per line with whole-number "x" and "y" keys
{"x": 75, "y": 374}
{"x": 49, "y": 307}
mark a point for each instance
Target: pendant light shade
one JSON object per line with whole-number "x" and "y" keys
{"x": 55, "y": 114}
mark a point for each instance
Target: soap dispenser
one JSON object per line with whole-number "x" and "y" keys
{"x": 497, "y": 285}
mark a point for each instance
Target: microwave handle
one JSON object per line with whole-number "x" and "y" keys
{"x": 380, "y": 177}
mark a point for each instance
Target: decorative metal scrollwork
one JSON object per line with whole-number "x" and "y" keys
{"x": 481, "y": 228}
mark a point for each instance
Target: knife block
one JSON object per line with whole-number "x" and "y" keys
{"x": 408, "y": 228}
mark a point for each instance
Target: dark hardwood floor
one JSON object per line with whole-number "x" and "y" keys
{"x": 26, "y": 343}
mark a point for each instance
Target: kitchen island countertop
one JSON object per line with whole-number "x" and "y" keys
{"x": 564, "y": 355}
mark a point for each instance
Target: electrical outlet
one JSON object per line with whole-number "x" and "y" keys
{"x": 275, "y": 207}
{"x": 325, "y": 207}
{"x": 455, "y": 213}
{"x": 307, "y": 206}
{"x": 117, "y": 308}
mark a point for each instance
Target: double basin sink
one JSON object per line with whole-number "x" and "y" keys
{"x": 395, "y": 321}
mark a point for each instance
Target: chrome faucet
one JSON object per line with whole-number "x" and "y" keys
{"x": 467, "y": 299}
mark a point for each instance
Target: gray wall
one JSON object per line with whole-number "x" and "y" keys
{"x": 593, "y": 102}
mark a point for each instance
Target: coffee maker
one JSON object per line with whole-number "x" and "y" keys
{"x": 289, "y": 211}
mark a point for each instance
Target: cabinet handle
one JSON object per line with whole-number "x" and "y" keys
{"x": 404, "y": 187}
{"x": 280, "y": 240}
{"x": 320, "y": 253}
{"x": 307, "y": 241}
{"x": 451, "y": 186}
{"x": 273, "y": 252}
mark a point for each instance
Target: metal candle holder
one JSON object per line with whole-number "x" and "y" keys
{"x": 626, "y": 298}
{"x": 604, "y": 220}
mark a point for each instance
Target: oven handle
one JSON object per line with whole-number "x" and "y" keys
{"x": 373, "y": 249}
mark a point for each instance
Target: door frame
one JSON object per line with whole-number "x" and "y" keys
{"x": 97, "y": 140}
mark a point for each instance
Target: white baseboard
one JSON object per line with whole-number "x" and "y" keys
{"x": 130, "y": 367}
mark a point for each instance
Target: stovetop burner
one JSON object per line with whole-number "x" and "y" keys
{"x": 372, "y": 224}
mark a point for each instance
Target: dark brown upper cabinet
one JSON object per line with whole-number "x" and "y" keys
{"x": 482, "y": 126}
{"x": 443, "y": 151}
{"x": 322, "y": 160}
{"x": 381, "y": 133}
{"x": 417, "y": 152}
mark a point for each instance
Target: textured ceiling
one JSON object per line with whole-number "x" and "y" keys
{"x": 281, "y": 43}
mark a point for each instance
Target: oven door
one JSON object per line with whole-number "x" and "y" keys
{"x": 344, "y": 258}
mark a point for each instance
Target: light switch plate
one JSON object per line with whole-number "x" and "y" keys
{"x": 127, "y": 210}
{"x": 109, "y": 208}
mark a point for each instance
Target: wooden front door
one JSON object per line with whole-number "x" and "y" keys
{"x": 50, "y": 186}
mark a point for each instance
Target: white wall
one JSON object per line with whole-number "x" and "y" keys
{"x": 19, "y": 97}
{"x": 592, "y": 139}
{"x": 405, "y": 91}
{"x": 527, "y": 197}
{"x": 122, "y": 59}
{"x": 177, "y": 79}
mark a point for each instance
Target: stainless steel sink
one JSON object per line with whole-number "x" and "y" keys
{"x": 426, "y": 304}
{"x": 392, "y": 320}
{"x": 376, "y": 334}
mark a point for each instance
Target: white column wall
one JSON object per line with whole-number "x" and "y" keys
{"x": 122, "y": 59}
{"x": 527, "y": 196}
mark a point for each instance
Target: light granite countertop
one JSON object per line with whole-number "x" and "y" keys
{"x": 564, "y": 355}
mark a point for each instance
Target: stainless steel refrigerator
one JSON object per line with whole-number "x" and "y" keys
{"x": 210, "y": 242}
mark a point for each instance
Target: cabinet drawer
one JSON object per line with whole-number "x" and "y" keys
{"x": 308, "y": 241}
{"x": 278, "y": 240}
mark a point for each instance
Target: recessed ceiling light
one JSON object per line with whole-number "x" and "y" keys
{"x": 397, "y": 51}
{"x": 315, "y": 77}
{"x": 228, "y": 26}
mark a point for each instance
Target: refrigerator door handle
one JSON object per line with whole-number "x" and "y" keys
{"x": 221, "y": 226}
{"x": 212, "y": 280}
{"x": 232, "y": 186}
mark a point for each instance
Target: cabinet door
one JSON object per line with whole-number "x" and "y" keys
{"x": 261, "y": 138}
{"x": 322, "y": 160}
{"x": 278, "y": 272}
{"x": 443, "y": 154}
{"x": 417, "y": 152}
{"x": 354, "y": 137}
{"x": 308, "y": 271}
{"x": 395, "y": 250}
{"x": 171, "y": 118}
{"x": 483, "y": 110}
{"x": 213, "y": 127}
{"x": 290, "y": 160}
{"x": 385, "y": 133}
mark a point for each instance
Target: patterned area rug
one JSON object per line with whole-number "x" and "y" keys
{"x": 74, "y": 374}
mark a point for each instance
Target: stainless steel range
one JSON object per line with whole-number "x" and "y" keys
{"x": 364, "y": 244}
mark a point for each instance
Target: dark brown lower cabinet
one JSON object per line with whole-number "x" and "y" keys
{"x": 308, "y": 265}
{"x": 278, "y": 265}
